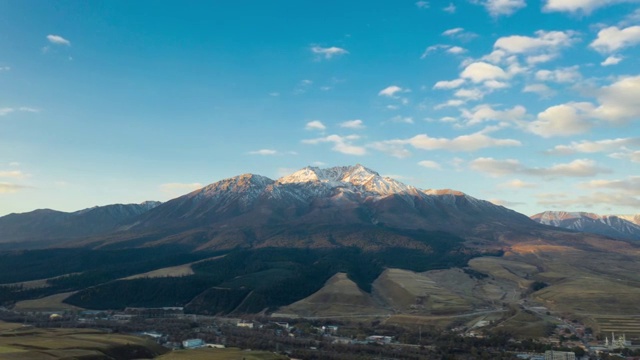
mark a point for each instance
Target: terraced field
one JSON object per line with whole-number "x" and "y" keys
{"x": 628, "y": 325}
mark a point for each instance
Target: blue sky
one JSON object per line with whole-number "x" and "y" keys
{"x": 531, "y": 104}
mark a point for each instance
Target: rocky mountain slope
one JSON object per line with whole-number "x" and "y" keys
{"x": 43, "y": 227}
{"x": 617, "y": 227}
{"x": 340, "y": 206}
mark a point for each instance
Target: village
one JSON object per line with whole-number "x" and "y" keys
{"x": 308, "y": 339}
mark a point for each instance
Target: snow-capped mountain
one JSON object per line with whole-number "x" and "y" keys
{"x": 44, "y": 226}
{"x": 252, "y": 210}
{"x": 608, "y": 225}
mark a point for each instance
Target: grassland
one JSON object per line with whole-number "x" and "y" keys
{"x": 17, "y": 342}
{"x": 47, "y": 303}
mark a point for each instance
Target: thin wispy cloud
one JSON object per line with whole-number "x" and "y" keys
{"x": 328, "y": 52}
{"x": 58, "y": 40}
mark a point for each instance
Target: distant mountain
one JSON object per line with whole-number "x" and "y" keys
{"x": 632, "y": 218}
{"x": 339, "y": 206}
{"x": 45, "y": 226}
{"x": 617, "y": 227}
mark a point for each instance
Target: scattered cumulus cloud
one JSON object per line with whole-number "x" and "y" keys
{"x": 563, "y": 120}
{"x": 463, "y": 143}
{"x": 315, "y": 125}
{"x": 392, "y": 91}
{"x": 497, "y": 8}
{"x": 541, "y": 89}
{"x": 328, "y": 52}
{"x": 584, "y": 6}
{"x": 451, "y": 9}
{"x": 518, "y": 184}
{"x": 563, "y": 75}
{"x": 612, "y": 39}
{"x": 341, "y": 144}
{"x": 478, "y": 72}
{"x": 576, "y": 168}
{"x": 460, "y": 34}
{"x": 422, "y": 4}
{"x": 402, "y": 119}
{"x": 58, "y": 40}
{"x": 353, "y": 124}
{"x": 485, "y": 112}
{"x": 612, "y": 60}
{"x": 598, "y": 146}
{"x": 429, "y": 164}
{"x": 449, "y": 84}
{"x": 619, "y": 101}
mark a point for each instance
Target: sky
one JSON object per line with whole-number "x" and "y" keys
{"x": 530, "y": 104}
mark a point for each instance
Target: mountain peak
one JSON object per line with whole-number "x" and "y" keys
{"x": 356, "y": 174}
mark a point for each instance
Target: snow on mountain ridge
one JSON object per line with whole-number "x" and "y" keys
{"x": 346, "y": 177}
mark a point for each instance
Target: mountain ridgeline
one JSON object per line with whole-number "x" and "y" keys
{"x": 312, "y": 208}
{"x": 625, "y": 227}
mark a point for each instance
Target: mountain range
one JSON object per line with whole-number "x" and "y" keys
{"x": 312, "y": 207}
{"x": 249, "y": 244}
{"x": 615, "y": 226}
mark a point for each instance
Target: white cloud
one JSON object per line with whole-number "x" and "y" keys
{"x": 541, "y": 89}
{"x": 470, "y": 142}
{"x": 633, "y": 156}
{"x": 562, "y": 75}
{"x": 460, "y": 34}
{"x": 612, "y": 60}
{"x": 4, "y": 68}
{"x": 315, "y": 125}
{"x": 544, "y": 41}
{"x": 453, "y": 32}
{"x": 485, "y": 112}
{"x": 391, "y": 91}
{"x": 176, "y": 189}
{"x": 7, "y": 188}
{"x": 353, "y": 124}
{"x": 463, "y": 143}
{"x": 395, "y": 148}
{"x": 630, "y": 184}
{"x": 429, "y": 164}
{"x": 8, "y": 110}
{"x": 482, "y": 71}
{"x": 456, "y": 50}
{"x": 264, "y": 152}
{"x": 5, "y": 111}
{"x": 328, "y": 52}
{"x": 585, "y": 6}
{"x": 612, "y": 39}
{"x": 451, "y": 9}
{"x": 576, "y": 168}
{"x": 341, "y": 144}
{"x": 586, "y": 146}
{"x": 402, "y": 119}
{"x": 619, "y": 101}
{"x": 422, "y": 4}
{"x": 452, "y": 84}
{"x": 469, "y": 94}
{"x": 449, "y": 103}
{"x": 563, "y": 120}
{"x": 518, "y": 184}
{"x": 503, "y": 7}
{"x": 14, "y": 174}
{"x": 58, "y": 40}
